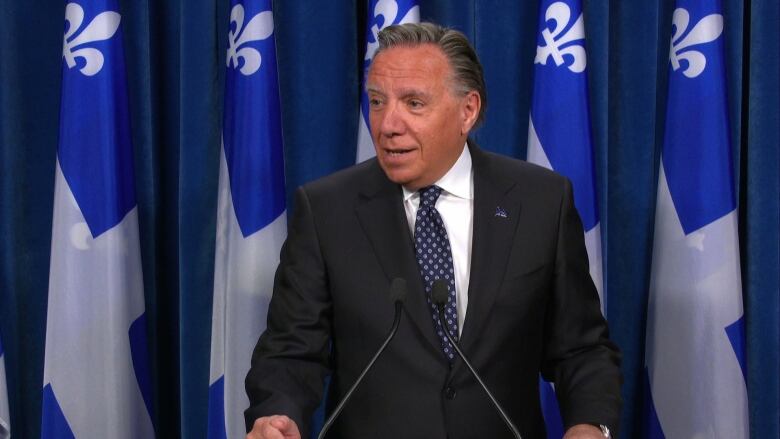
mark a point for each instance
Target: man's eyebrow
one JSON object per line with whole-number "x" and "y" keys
{"x": 373, "y": 89}
{"x": 406, "y": 93}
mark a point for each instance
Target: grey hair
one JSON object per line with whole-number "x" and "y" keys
{"x": 467, "y": 71}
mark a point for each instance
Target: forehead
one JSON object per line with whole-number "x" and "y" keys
{"x": 425, "y": 62}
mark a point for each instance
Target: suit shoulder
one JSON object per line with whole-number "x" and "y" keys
{"x": 345, "y": 181}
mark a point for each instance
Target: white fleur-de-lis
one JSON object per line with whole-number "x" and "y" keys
{"x": 259, "y": 27}
{"x": 389, "y": 10}
{"x": 555, "y": 39}
{"x": 102, "y": 27}
{"x": 708, "y": 29}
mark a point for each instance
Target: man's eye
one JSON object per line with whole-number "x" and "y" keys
{"x": 416, "y": 103}
{"x": 374, "y": 102}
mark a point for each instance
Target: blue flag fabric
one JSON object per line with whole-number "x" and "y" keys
{"x": 251, "y": 212}
{"x": 695, "y": 354}
{"x": 381, "y": 13}
{"x": 96, "y": 380}
{"x": 559, "y": 136}
{"x": 5, "y": 418}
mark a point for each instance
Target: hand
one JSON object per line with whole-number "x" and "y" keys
{"x": 584, "y": 431}
{"x": 274, "y": 427}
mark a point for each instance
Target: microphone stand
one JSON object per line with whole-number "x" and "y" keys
{"x": 398, "y": 289}
{"x": 440, "y": 299}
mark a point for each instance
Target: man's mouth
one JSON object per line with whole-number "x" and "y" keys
{"x": 398, "y": 152}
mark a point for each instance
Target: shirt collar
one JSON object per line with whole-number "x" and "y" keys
{"x": 457, "y": 181}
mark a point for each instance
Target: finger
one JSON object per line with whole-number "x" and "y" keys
{"x": 286, "y": 426}
{"x": 269, "y": 431}
{"x": 262, "y": 429}
{"x": 255, "y": 432}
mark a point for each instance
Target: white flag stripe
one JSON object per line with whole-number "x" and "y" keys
{"x": 535, "y": 153}
{"x": 95, "y": 294}
{"x": 5, "y": 417}
{"x": 365, "y": 148}
{"x": 243, "y": 283}
{"x": 697, "y": 385}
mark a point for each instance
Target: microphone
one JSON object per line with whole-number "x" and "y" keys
{"x": 397, "y": 294}
{"x": 439, "y": 295}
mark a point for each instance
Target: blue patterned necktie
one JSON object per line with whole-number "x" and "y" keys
{"x": 434, "y": 258}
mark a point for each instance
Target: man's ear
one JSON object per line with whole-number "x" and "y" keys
{"x": 470, "y": 107}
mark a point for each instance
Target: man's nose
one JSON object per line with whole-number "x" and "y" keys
{"x": 392, "y": 122}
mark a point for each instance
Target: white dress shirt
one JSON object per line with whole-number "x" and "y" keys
{"x": 456, "y": 207}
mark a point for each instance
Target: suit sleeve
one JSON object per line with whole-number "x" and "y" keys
{"x": 579, "y": 357}
{"x": 291, "y": 359}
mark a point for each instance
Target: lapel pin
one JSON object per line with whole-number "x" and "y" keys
{"x": 501, "y": 213}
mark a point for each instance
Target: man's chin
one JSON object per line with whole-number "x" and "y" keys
{"x": 398, "y": 176}
{"x": 398, "y": 179}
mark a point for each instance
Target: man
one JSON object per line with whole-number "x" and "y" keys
{"x": 510, "y": 246}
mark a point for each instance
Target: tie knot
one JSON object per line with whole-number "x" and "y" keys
{"x": 429, "y": 195}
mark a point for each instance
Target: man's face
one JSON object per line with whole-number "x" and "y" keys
{"x": 418, "y": 122}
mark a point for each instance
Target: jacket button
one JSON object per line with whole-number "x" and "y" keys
{"x": 450, "y": 393}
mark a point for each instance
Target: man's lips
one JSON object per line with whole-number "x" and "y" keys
{"x": 397, "y": 157}
{"x": 397, "y": 152}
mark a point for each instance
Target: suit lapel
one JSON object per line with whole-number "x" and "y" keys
{"x": 496, "y": 214}
{"x": 381, "y": 214}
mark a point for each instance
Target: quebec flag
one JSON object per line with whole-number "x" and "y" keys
{"x": 5, "y": 418}
{"x": 381, "y": 13}
{"x": 695, "y": 355}
{"x": 251, "y": 212}
{"x": 96, "y": 377}
{"x": 559, "y": 136}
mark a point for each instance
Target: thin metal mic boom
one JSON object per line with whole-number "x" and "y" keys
{"x": 439, "y": 295}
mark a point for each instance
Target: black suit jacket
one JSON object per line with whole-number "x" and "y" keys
{"x": 532, "y": 308}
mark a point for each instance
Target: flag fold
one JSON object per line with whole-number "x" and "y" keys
{"x": 96, "y": 377}
{"x": 695, "y": 367}
{"x": 251, "y": 211}
{"x": 559, "y": 137}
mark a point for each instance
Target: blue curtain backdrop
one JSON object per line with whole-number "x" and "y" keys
{"x": 175, "y": 53}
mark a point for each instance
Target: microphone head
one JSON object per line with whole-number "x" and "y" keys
{"x": 398, "y": 290}
{"x": 439, "y": 292}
